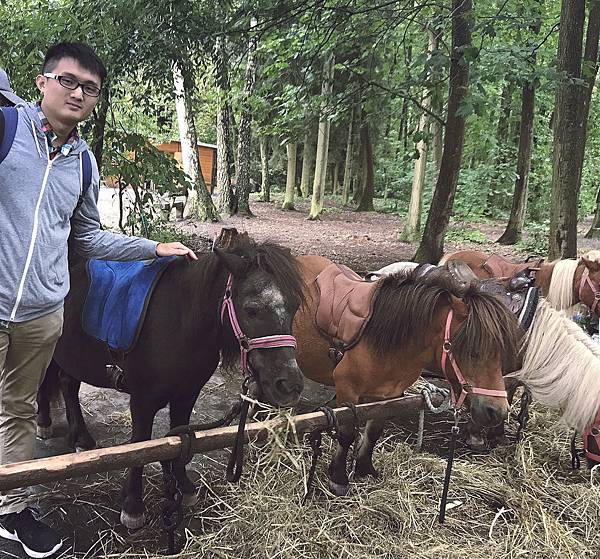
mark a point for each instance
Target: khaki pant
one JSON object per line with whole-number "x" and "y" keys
{"x": 26, "y": 349}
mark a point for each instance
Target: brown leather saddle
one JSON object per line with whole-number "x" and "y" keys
{"x": 345, "y": 305}
{"x": 512, "y": 292}
{"x": 500, "y": 267}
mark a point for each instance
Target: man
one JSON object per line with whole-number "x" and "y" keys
{"x": 8, "y": 98}
{"x": 41, "y": 183}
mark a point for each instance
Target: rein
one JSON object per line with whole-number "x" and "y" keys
{"x": 585, "y": 280}
{"x": 248, "y": 344}
{"x": 465, "y": 387}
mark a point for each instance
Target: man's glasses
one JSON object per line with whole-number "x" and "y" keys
{"x": 71, "y": 83}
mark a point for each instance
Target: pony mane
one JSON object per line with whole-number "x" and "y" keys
{"x": 274, "y": 260}
{"x": 560, "y": 292}
{"x": 561, "y": 366}
{"x": 593, "y": 255}
{"x": 407, "y": 303}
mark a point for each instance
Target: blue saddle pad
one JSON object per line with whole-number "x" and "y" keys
{"x": 117, "y": 299}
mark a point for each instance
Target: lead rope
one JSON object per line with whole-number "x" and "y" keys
{"x": 427, "y": 392}
{"x": 236, "y": 459}
{"x": 451, "y": 448}
{"x": 172, "y": 488}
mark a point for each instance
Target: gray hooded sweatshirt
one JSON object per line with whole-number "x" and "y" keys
{"x": 37, "y": 198}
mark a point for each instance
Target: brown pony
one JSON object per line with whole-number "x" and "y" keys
{"x": 563, "y": 282}
{"x": 406, "y": 334}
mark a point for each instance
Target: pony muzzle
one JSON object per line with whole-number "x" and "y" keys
{"x": 488, "y": 411}
{"x": 280, "y": 380}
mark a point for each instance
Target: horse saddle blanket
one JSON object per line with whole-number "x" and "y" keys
{"x": 345, "y": 305}
{"x": 117, "y": 299}
{"x": 498, "y": 266}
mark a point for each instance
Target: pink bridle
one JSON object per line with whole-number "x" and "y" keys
{"x": 465, "y": 387}
{"x": 248, "y": 344}
{"x": 585, "y": 280}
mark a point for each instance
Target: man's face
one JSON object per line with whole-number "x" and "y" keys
{"x": 65, "y": 106}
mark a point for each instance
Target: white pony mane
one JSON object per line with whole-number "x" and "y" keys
{"x": 560, "y": 292}
{"x": 561, "y": 366}
{"x": 593, "y": 255}
{"x": 395, "y": 268}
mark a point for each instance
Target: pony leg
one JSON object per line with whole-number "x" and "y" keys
{"x": 44, "y": 397}
{"x": 338, "y": 475}
{"x": 364, "y": 460}
{"x": 78, "y": 437}
{"x": 132, "y": 507}
{"x": 180, "y": 412}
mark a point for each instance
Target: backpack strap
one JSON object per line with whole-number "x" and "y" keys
{"x": 9, "y": 117}
{"x": 85, "y": 167}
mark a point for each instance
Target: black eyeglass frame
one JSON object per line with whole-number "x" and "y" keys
{"x": 88, "y": 89}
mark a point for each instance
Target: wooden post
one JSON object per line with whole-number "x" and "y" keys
{"x": 44, "y": 470}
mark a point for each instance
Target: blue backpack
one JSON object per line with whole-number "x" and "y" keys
{"x": 9, "y": 118}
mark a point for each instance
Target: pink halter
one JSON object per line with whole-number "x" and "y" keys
{"x": 248, "y": 344}
{"x": 585, "y": 279}
{"x": 465, "y": 387}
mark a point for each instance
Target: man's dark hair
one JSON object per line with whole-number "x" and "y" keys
{"x": 84, "y": 54}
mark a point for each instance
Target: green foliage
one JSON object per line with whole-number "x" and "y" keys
{"x": 153, "y": 176}
{"x": 535, "y": 238}
{"x": 461, "y": 233}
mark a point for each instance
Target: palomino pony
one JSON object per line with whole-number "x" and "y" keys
{"x": 417, "y": 322}
{"x": 230, "y": 303}
{"x": 563, "y": 282}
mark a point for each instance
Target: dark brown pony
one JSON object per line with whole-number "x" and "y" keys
{"x": 405, "y": 335}
{"x": 563, "y": 282}
{"x": 181, "y": 341}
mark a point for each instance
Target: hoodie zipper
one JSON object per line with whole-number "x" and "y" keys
{"x": 34, "y": 232}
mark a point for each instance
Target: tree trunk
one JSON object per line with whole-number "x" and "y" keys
{"x": 432, "y": 243}
{"x": 245, "y": 133}
{"x": 290, "y": 181}
{"x": 185, "y": 137}
{"x": 100, "y": 126}
{"x": 365, "y": 203}
{"x": 569, "y": 139}
{"x": 199, "y": 202}
{"x": 412, "y": 231}
{"x": 496, "y": 198}
{"x": 336, "y": 177}
{"x": 265, "y": 187}
{"x": 438, "y": 132}
{"x": 513, "y": 231}
{"x": 308, "y": 161}
{"x": 225, "y": 201}
{"x": 205, "y": 210}
{"x": 590, "y": 60}
{"x": 514, "y": 228}
{"x": 349, "y": 164}
{"x": 316, "y": 206}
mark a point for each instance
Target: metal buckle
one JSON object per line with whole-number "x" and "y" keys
{"x": 447, "y": 346}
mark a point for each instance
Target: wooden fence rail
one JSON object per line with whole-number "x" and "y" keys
{"x": 44, "y": 470}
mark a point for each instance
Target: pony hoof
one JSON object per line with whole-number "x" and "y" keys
{"x": 477, "y": 444}
{"x": 79, "y": 449}
{"x": 367, "y": 471}
{"x": 189, "y": 499}
{"x": 132, "y": 521}
{"x": 44, "y": 433}
{"x": 341, "y": 490}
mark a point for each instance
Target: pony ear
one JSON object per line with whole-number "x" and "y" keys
{"x": 459, "y": 307}
{"x": 237, "y": 265}
{"x": 591, "y": 265}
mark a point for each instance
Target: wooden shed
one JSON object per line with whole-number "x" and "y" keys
{"x": 208, "y": 159}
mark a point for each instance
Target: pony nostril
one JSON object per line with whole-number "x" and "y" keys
{"x": 282, "y": 386}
